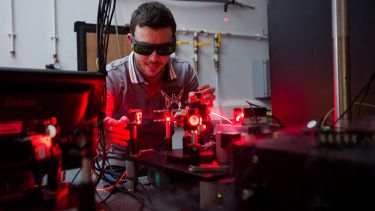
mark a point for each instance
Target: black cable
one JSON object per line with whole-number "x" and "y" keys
{"x": 367, "y": 85}
{"x": 102, "y": 148}
{"x": 252, "y": 110}
{"x": 107, "y": 197}
{"x": 104, "y": 32}
{"x": 116, "y": 189}
{"x": 75, "y": 176}
{"x": 106, "y": 10}
{"x": 99, "y": 31}
{"x": 122, "y": 179}
{"x": 108, "y": 27}
{"x": 364, "y": 97}
{"x": 272, "y": 116}
{"x": 145, "y": 191}
{"x": 100, "y": 168}
{"x": 277, "y": 120}
{"x": 248, "y": 102}
{"x": 125, "y": 191}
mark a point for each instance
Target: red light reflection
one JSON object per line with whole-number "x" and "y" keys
{"x": 42, "y": 146}
{"x": 194, "y": 120}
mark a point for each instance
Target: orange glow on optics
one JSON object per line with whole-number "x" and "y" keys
{"x": 194, "y": 120}
{"x": 138, "y": 117}
{"x": 42, "y": 146}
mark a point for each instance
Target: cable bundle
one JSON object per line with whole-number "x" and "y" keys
{"x": 106, "y": 10}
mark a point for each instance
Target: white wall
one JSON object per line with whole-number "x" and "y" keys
{"x": 33, "y": 25}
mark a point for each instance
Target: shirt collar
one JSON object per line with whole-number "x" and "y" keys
{"x": 136, "y": 76}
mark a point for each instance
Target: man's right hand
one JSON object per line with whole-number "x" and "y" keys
{"x": 115, "y": 131}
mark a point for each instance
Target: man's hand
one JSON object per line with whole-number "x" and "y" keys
{"x": 207, "y": 94}
{"x": 115, "y": 131}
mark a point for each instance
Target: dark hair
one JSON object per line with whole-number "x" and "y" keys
{"x": 154, "y": 15}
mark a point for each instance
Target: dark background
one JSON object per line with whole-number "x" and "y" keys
{"x": 301, "y": 57}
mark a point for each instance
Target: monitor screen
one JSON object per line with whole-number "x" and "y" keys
{"x": 28, "y": 96}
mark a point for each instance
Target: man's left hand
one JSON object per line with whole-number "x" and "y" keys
{"x": 208, "y": 94}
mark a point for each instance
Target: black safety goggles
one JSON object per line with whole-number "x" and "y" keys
{"x": 146, "y": 49}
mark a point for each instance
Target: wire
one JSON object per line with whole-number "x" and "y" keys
{"x": 255, "y": 116}
{"x": 272, "y": 116}
{"x": 218, "y": 115}
{"x": 75, "y": 176}
{"x": 118, "y": 181}
{"x": 252, "y": 110}
{"x": 112, "y": 188}
{"x": 119, "y": 49}
{"x": 366, "y": 104}
{"x": 331, "y": 110}
{"x": 115, "y": 188}
{"x": 363, "y": 98}
{"x": 367, "y": 85}
{"x": 252, "y": 104}
{"x": 105, "y": 14}
{"x": 325, "y": 117}
{"x": 277, "y": 120}
{"x": 108, "y": 25}
{"x": 107, "y": 197}
{"x": 106, "y": 10}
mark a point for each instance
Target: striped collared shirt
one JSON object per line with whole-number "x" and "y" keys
{"x": 135, "y": 75}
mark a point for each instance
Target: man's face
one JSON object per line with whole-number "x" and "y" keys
{"x": 152, "y": 66}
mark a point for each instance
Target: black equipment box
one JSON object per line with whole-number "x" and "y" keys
{"x": 294, "y": 173}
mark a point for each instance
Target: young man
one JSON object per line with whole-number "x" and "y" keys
{"x": 148, "y": 79}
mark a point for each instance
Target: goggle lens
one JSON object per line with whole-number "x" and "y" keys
{"x": 147, "y": 48}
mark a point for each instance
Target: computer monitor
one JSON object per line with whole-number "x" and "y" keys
{"x": 30, "y": 95}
